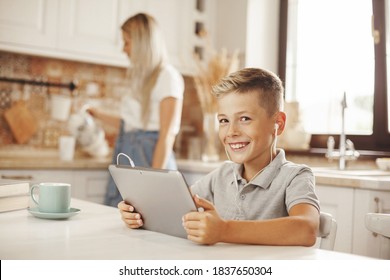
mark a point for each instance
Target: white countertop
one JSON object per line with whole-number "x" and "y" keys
{"x": 373, "y": 179}
{"x": 97, "y": 233}
{"x": 26, "y": 159}
{"x": 197, "y": 166}
{"x": 19, "y": 157}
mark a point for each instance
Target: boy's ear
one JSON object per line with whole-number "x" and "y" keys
{"x": 280, "y": 122}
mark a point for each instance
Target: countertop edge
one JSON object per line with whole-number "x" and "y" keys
{"x": 379, "y": 183}
{"x": 54, "y": 164}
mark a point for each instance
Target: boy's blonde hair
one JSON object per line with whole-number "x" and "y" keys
{"x": 266, "y": 83}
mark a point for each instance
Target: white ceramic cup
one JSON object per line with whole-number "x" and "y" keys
{"x": 60, "y": 107}
{"x": 66, "y": 147}
{"x": 52, "y": 197}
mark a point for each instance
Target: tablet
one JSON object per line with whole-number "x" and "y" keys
{"x": 161, "y": 196}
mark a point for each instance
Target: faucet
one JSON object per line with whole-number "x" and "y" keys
{"x": 346, "y": 148}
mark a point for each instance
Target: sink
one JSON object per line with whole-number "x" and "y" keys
{"x": 350, "y": 172}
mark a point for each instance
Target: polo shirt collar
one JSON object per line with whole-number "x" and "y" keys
{"x": 265, "y": 178}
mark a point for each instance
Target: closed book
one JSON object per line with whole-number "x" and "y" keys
{"x": 16, "y": 202}
{"x": 13, "y": 187}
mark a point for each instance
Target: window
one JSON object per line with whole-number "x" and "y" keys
{"x": 387, "y": 14}
{"x": 332, "y": 47}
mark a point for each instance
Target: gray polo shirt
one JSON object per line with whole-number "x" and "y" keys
{"x": 271, "y": 194}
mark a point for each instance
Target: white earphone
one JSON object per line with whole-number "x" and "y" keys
{"x": 236, "y": 204}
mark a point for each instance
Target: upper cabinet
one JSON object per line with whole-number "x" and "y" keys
{"x": 77, "y": 30}
{"x": 89, "y": 30}
{"x": 178, "y": 20}
{"x": 28, "y": 24}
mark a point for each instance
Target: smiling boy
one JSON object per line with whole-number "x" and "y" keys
{"x": 259, "y": 197}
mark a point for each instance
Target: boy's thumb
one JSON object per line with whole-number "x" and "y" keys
{"x": 203, "y": 203}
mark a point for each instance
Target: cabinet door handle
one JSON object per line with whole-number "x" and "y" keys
{"x": 377, "y": 205}
{"x": 377, "y": 210}
{"x": 17, "y": 177}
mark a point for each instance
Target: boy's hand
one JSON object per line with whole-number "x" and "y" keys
{"x": 204, "y": 227}
{"x": 131, "y": 219}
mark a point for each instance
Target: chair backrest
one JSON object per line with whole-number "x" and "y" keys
{"x": 327, "y": 231}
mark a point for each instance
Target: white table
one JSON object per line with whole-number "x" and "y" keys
{"x": 98, "y": 233}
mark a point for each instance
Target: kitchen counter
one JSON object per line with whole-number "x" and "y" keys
{"x": 97, "y": 232}
{"x": 357, "y": 178}
{"x": 26, "y": 158}
{"x": 19, "y": 157}
{"x": 54, "y": 163}
{"x": 197, "y": 166}
{"x": 373, "y": 179}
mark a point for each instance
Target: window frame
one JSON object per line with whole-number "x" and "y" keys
{"x": 379, "y": 140}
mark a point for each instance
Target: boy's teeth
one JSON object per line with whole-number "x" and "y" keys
{"x": 237, "y": 146}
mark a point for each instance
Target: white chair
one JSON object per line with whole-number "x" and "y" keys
{"x": 379, "y": 223}
{"x": 327, "y": 231}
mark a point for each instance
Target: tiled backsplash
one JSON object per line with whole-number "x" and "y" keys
{"x": 96, "y": 84}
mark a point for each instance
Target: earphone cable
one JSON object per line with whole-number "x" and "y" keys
{"x": 126, "y": 156}
{"x": 236, "y": 180}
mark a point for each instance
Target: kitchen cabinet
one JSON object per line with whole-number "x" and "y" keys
{"x": 88, "y": 185}
{"x": 366, "y": 242}
{"x": 76, "y": 30}
{"x": 175, "y": 20}
{"x": 38, "y": 176}
{"x": 192, "y": 177}
{"x": 28, "y": 24}
{"x": 193, "y": 170}
{"x": 89, "y": 30}
{"x": 339, "y": 202}
{"x": 349, "y": 206}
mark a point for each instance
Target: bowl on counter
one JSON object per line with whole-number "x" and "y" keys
{"x": 383, "y": 163}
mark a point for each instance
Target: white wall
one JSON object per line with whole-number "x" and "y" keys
{"x": 231, "y": 24}
{"x": 252, "y": 26}
{"x": 262, "y": 34}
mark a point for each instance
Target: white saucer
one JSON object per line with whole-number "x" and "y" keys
{"x": 55, "y": 216}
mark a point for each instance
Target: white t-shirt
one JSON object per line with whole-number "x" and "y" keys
{"x": 169, "y": 83}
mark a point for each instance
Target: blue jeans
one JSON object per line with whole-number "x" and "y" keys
{"x": 139, "y": 145}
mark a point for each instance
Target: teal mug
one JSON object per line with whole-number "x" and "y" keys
{"x": 52, "y": 197}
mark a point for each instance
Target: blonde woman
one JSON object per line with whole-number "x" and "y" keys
{"x": 150, "y": 112}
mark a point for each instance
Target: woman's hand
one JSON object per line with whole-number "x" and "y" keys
{"x": 92, "y": 111}
{"x": 131, "y": 218}
{"x": 204, "y": 227}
